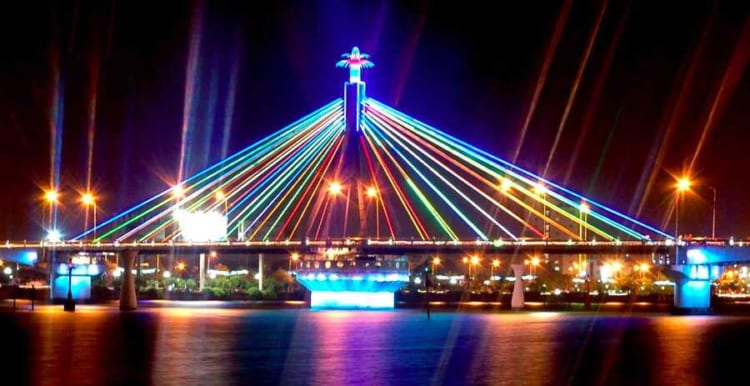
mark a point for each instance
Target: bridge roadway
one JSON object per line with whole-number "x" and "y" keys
{"x": 697, "y": 265}
{"x": 363, "y": 246}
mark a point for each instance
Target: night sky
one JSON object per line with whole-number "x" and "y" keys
{"x": 665, "y": 90}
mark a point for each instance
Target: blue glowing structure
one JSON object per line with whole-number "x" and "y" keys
{"x": 351, "y": 300}
{"x": 20, "y": 256}
{"x": 355, "y": 282}
{"x": 78, "y": 270}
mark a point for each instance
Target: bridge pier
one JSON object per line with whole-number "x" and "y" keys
{"x": 260, "y": 272}
{"x": 128, "y": 300}
{"x": 517, "y": 302}
{"x": 202, "y": 271}
{"x": 692, "y": 288}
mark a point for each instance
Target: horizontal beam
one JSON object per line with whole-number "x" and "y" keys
{"x": 365, "y": 247}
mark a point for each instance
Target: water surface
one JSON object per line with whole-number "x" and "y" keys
{"x": 99, "y": 345}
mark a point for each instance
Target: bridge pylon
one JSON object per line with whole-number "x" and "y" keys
{"x": 128, "y": 299}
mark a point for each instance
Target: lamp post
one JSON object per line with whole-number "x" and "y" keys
{"x": 541, "y": 190}
{"x": 474, "y": 263}
{"x": 583, "y": 212}
{"x": 493, "y": 268}
{"x": 50, "y": 197}
{"x": 583, "y": 217}
{"x": 533, "y": 263}
{"x": 294, "y": 257}
{"x": 713, "y": 213}
{"x": 221, "y": 197}
{"x": 683, "y": 185}
{"x": 335, "y": 188}
{"x": 435, "y": 264}
{"x": 505, "y": 185}
{"x": 372, "y": 192}
{"x": 89, "y": 200}
{"x": 69, "y": 304}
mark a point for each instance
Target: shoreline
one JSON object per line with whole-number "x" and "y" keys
{"x": 25, "y": 305}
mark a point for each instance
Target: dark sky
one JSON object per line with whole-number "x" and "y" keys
{"x": 664, "y": 90}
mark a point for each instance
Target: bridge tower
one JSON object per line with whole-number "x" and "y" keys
{"x": 351, "y": 165}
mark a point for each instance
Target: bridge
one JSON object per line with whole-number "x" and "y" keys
{"x": 359, "y": 178}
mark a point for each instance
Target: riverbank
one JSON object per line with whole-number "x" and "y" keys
{"x": 722, "y": 308}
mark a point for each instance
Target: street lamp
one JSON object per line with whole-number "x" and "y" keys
{"x": 583, "y": 214}
{"x": 683, "y": 185}
{"x": 474, "y": 262}
{"x": 534, "y": 262}
{"x": 89, "y": 200}
{"x": 713, "y": 213}
{"x": 181, "y": 268}
{"x": 642, "y": 268}
{"x": 372, "y": 192}
{"x": 69, "y": 304}
{"x": 178, "y": 192}
{"x": 50, "y": 197}
{"x": 294, "y": 257}
{"x": 541, "y": 190}
{"x": 335, "y": 188}
{"x": 221, "y": 197}
{"x": 435, "y": 264}
{"x": 505, "y": 185}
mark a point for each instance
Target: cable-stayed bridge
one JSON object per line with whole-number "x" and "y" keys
{"x": 358, "y": 179}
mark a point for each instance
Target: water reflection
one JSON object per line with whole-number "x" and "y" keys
{"x": 100, "y": 345}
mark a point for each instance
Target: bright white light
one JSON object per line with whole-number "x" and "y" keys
{"x": 7, "y": 271}
{"x": 202, "y": 226}
{"x": 167, "y": 274}
{"x": 506, "y": 184}
{"x": 54, "y": 236}
{"x": 696, "y": 256}
{"x": 178, "y": 191}
{"x": 540, "y": 189}
{"x": 335, "y": 188}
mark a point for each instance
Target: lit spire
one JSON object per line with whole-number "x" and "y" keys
{"x": 356, "y": 61}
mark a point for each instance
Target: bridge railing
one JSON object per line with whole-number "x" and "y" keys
{"x": 361, "y": 242}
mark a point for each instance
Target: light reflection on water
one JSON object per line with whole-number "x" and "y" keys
{"x": 100, "y": 345}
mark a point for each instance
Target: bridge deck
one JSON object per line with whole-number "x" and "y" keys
{"x": 366, "y": 246}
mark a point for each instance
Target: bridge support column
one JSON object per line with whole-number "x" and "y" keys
{"x": 202, "y": 271}
{"x": 692, "y": 289}
{"x": 517, "y": 301}
{"x": 128, "y": 300}
{"x": 260, "y": 272}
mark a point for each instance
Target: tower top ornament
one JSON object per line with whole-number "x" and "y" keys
{"x": 356, "y": 61}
